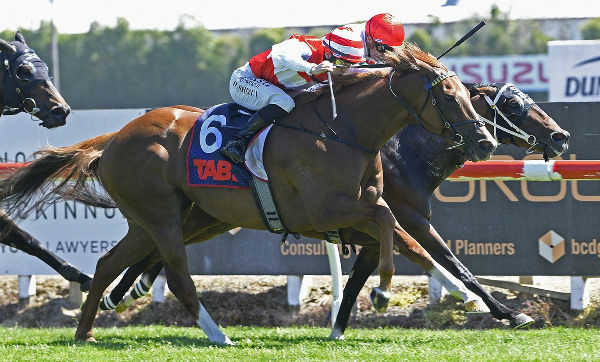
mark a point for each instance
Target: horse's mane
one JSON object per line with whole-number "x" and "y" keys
{"x": 407, "y": 58}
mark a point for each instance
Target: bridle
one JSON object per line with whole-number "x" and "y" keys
{"x": 456, "y": 137}
{"x": 14, "y": 87}
{"x": 526, "y": 104}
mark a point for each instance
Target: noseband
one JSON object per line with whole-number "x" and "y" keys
{"x": 457, "y": 138}
{"x": 14, "y": 88}
{"x": 505, "y": 91}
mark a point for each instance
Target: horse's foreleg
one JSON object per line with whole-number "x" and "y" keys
{"x": 431, "y": 241}
{"x": 410, "y": 248}
{"x": 363, "y": 267}
{"x": 386, "y": 267}
{"x": 376, "y": 220}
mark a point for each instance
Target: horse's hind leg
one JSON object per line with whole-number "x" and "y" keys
{"x": 114, "y": 300}
{"x": 108, "y": 268}
{"x": 164, "y": 225}
{"x": 14, "y": 236}
{"x": 140, "y": 289}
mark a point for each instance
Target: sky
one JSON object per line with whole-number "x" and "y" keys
{"x": 75, "y": 16}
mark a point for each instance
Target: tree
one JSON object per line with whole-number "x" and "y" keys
{"x": 591, "y": 29}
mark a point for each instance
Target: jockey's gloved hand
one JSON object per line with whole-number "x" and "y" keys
{"x": 323, "y": 67}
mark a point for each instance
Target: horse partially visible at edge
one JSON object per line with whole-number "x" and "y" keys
{"x": 25, "y": 86}
{"x": 321, "y": 179}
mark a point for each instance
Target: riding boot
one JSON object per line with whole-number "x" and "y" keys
{"x": 236, "y": 147}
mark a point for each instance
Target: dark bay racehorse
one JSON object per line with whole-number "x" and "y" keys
{"x": 318, "y": 181}
{"x": 25, "y": 86}
{"x": 415, "y": 163}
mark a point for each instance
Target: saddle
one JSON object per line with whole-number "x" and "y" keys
{"x": 207, "y": 167}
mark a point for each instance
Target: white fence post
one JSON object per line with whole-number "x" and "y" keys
{"x": 159, "y": 289}
{"x": 580, "y": 293}
{"x": 297, "y": 288}
{"x": 75, "y": 293}
{"x": 26, "y": 287}
{"x": 436, "y": 291}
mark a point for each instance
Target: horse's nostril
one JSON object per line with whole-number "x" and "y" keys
{"x": 486, "y": 146}
{"x": 560, "y": 138}
{"x": 61, "y": 111}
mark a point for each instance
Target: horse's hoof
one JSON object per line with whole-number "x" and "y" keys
{"x": 476, "y": 306}
{"x": 380, "y": 299}
{"x": 86, "y": 337}
{"x": 521, "y": 320}
{"x": 223, "y": 342}
{"x": 337, "y": 335}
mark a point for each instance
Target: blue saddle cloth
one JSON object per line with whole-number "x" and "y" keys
{"x": 205, "y": 164}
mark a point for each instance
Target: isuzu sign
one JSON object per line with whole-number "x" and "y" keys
{"x": 574, "y": 71}
{"x": 529, "y": 73}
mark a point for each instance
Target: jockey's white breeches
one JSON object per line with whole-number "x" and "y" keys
{"x": 254, "y": 93}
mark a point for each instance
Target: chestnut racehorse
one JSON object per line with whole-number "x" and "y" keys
{"x": 321, "y": 179}
{"x": 25, "y": 86}
{"x": 415, "y": 163}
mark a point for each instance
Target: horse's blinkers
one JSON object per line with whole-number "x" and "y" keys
{"x": 23, "y": 71}
{"x": 513, "y": 103}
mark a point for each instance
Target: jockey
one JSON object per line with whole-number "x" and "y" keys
{"x": 294, "y": 64}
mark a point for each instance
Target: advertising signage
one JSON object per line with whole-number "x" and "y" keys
{"x": 575, "y": 71}
{"x": 494, "y": 227}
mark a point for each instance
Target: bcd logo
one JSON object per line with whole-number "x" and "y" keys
{"x": 551, "y": 246}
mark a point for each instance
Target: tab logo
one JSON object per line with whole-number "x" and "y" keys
{"x": 551, "y": 246}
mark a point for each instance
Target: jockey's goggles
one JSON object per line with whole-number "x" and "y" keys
{"x": 382, "y": 47}
{"x": 340, "y": 62}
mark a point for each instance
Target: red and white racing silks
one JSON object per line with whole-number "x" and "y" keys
{"x": 346, "y": 42}
{"x": 288, "y": 64}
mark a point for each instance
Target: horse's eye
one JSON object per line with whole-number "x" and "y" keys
{"x": 449, "y": 97}
{"x": 25, "y": 72}
{"x": 513, "y": 106}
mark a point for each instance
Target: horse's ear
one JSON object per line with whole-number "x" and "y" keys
{"x": 19, "y": 37}
{"x": 7, "y": 48}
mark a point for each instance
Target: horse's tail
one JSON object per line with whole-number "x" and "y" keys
{"x": 55, "y": 173}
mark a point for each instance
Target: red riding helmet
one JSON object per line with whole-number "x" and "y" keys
{"x": 385, "y": 29}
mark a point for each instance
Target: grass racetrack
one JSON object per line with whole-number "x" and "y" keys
{"x": 160, "y": 343}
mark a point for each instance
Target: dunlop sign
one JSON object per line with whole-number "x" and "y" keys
{"x": 575, "y": 71}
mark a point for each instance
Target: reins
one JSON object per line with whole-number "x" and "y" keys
{"x": 333, "y": 138}
{"x": 456, "y": 137}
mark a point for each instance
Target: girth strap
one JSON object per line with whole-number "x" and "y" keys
{"x": 266, "y": 205}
